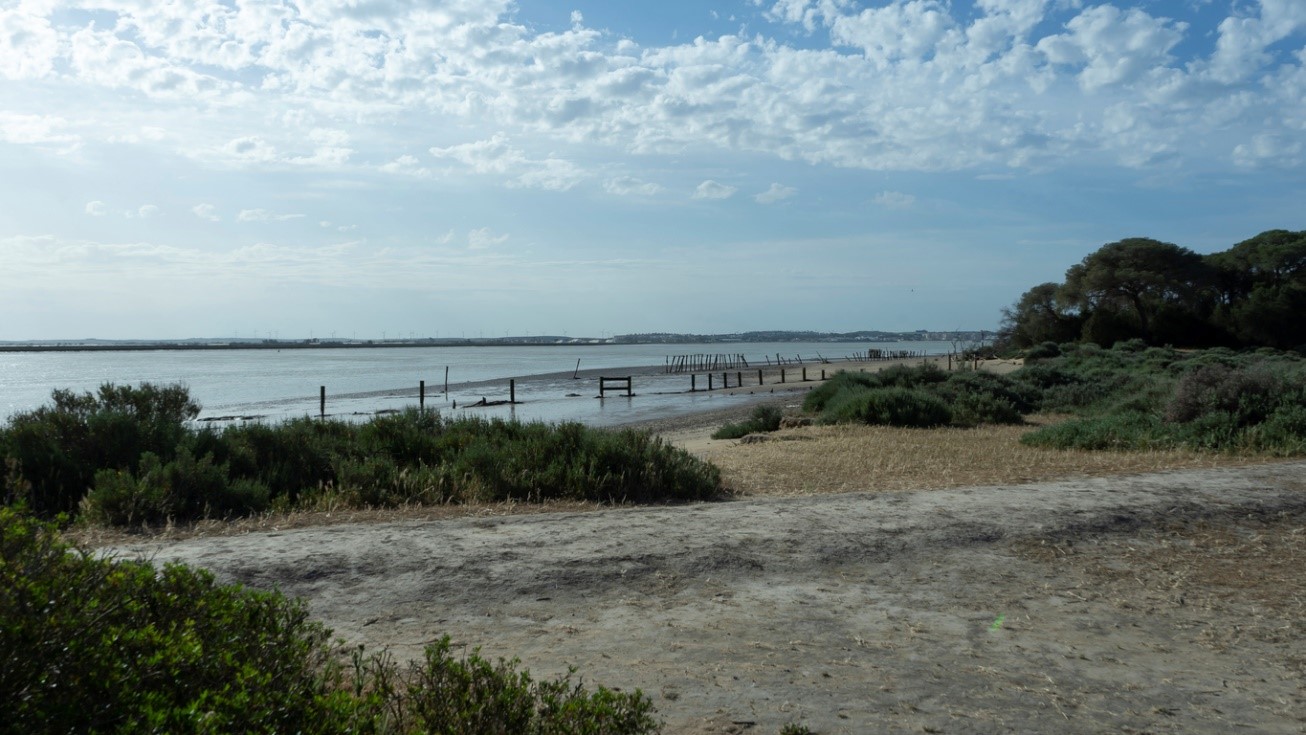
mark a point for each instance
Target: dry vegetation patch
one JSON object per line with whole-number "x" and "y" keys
{"x": 1224, "y": 581}
{"x": 854, "y": 458}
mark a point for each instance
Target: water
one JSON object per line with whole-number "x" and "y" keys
{"x": 271, "y": 385}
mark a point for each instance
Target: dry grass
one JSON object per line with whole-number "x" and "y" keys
{"x": 1225, "y": 580}
{"x": 836, "y": 459}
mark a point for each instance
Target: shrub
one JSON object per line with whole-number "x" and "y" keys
{"x": 59, "y": 448}
{"x": 1044, "y": 351}
{"x": 1248, "y": 395}
{"x": 450, "y": 695}
{"x": 764, "y": 419}
{"x": 89, "y": 644}
{"x": 888, "y": 406}
{"x": 1116, "y": 431}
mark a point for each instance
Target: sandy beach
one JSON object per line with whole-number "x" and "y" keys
{"x": 1118, "y": 598}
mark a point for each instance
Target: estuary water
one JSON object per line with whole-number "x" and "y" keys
{"x": 270, "y": 385}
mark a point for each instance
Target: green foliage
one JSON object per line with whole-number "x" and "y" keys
{"x": 888, "y": 407}
{"x": 76, "y": 452}
{"x": 1252, "y": 294}
{"x": 59, "y": 448}
{"x": 763, "y": 419}
{"x": 89, "y": 644}
{"x": 93, "y": 645}
{"x": 448, "y": 695}
{"x": 1135, "y": 398}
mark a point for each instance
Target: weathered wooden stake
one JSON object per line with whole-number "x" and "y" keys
{"x": 782, "y": 375}
{"x": 446, "y": 380}
{"x": 421, "y": 395}
{"x": 322, "y": 401}
{"x": 512, "y": 390}
{"x": 804, "y": 374}
{"x": 709, "y": 381}
{"x": 576, "y": 374}
{"x": 693, "y": 383}
{"x": 759, "y": 376}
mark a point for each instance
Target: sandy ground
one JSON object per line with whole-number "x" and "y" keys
{"x": 1168, "y": 602}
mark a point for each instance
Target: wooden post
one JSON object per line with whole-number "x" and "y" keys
{"x": 804, "y": 373}
{"x": 709, "y": 381}
{"x": 446, "y": 380}
{"x": 759, "y": 376}
{"x": 693, "y": 383}
{"x": 725, "y": 380}
{"x": 512, "y": 390}
{"x": 739, "y": 379}
{"x": 576, "y": 374}
{"x": 421, "y": 396}
{"x": 822, "y": 375}
{"x": 782, "y": 375}
{"x": 322, "y": 401}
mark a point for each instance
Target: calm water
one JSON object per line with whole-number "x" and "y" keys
{"x": 234, "y": 385}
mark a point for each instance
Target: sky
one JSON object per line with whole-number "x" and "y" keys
{"x": 447, "y": 168}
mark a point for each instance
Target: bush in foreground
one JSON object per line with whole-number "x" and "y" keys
{"x": 95, "y": 645}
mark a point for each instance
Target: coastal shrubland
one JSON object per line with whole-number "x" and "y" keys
{"x": 90, "y": 644}
{"x": 132, "y": 455}
{"x": 1130, "y": 396}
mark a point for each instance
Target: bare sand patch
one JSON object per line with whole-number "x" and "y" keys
{"x": 1080, "y": 606}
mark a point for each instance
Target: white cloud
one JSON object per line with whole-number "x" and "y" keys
{"x": 1111, "y": 46}
{"x": 630, "y": 186}
{"x": 96, "y": 208}
{"x": 406, "y": 165}
{"x": 206, "y": 211}
{"x": 264, "y": 215}
{"x": 1268, "y": 150}
{"x": 29, "y": 45}
{"x": 894, "y": 200}
{"x": 483, "y": 238}
{"x": 497, "y": 156}
{"x": 776, "y": 193}
{"x": 250, "y": 148}
{"x": 45, "y": 131}
{"x": 146, "y": 211}
{"x": 714, "y": 190}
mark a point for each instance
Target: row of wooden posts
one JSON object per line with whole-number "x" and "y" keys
{"x": 713, "y": 363}
{"x": 675, "y": 366}
{"x": 605, "y": 385}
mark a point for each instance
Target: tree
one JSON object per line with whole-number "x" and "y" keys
{"x": 1038, "y": 317}
{"x": 1262, "y": 287}
{"x": 1135, "y": 279}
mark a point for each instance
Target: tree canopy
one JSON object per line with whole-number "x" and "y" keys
{"x": 1253, "y": 294}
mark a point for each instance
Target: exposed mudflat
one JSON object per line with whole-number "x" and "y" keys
{"x": 1168, "y": 603}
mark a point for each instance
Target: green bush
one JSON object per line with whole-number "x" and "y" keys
{"x": 1116, "y": 431}
{"x": 448, "y": 695}
{"x": 888, "y": 407}
{"x": 59, "y": 448}
{"x": 55, "y": 459}
{"x": 94, "y": 645}
{"x": 89, "y": 644}
{"x": 763, "y": 419}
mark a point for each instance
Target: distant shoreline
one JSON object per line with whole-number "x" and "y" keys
{"x": 543, "y": 341}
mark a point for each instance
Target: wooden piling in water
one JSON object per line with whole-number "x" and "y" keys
{"x": 322, "y": 401}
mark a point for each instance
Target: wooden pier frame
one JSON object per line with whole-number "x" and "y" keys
{"x": 607, "y": 384}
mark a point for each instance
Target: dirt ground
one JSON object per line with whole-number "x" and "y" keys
{"x": 1170, "y": 602}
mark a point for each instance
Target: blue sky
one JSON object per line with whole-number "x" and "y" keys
{"x": 468, "y": 167}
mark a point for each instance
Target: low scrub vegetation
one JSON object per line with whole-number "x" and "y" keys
{"x": 763, "y": 419}
{"x": 921, "y": 396}
{"x": 1128, "y": 397}
{"x": 130, "y": 455}
{"x": 89, "y": 644}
